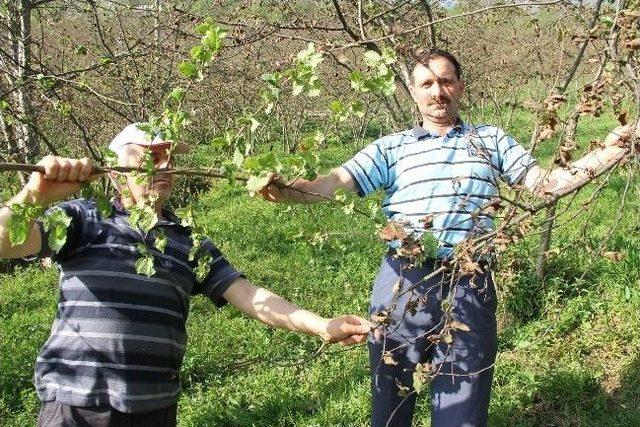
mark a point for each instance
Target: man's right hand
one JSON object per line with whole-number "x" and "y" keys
{"x": 273, "y": 192}
{"x": 61, "y": 178}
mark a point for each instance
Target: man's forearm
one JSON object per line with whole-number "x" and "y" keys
{"x": 273, "y": 310}
{"x": 562, "y": 181}
{"x": 319, "y": 190}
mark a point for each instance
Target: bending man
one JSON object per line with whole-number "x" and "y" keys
{"x": 118, "y": 338}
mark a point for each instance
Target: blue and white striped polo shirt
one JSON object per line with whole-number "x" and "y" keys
{"x": 118, "y": 338}
{"x": 447, "y": 176}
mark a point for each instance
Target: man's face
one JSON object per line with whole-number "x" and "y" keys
{"x": 158, "y": 186}
{"x": 437, "y": 90}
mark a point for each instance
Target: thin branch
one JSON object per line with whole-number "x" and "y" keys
{"x": 448, "y": 18}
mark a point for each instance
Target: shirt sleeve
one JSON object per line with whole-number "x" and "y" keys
{"x": 369, "y": 168}
{"x": 514, "y": 159}
{"x": 221, "y": 275}
{"x": 76, "y": 231}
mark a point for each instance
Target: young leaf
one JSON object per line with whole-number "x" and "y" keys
{"x": 144, "y": 265}
{"x": 188, "y": 69}
{"x": 56, "y": 224}
{"x": 21, "y": 216}
{"x": 142, "y": 216}
{"x": 238, "y": 158}
{"x": 18, "y": 225}
{"x": 186, "y": 216}
{"x": 160, "y": 241}
{"x": 254, "y": 124}
{"x": 202, "y": 269}
{"x": 255, "y": 183}
{"x": 372, "y": 58}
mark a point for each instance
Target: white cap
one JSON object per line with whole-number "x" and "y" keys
{"x": 132, "y": 134}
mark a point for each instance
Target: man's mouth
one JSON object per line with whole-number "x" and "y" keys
{"x": 439, "y": 103}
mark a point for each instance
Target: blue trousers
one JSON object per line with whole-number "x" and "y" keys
{"x": 463, "y": 368}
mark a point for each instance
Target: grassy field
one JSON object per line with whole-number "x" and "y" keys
{"x": 568, "y": 346}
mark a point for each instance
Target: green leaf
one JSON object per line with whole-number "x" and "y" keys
{"x": 203, "y": 28}
{"x": 212, "y": 40}
{"x": 607, "y": 20}
{"x": 336, "y": 107}
{"x": 186, "y": 216}
{"x": 219, "y": 142}
{"x": 144, "y": 265}
{"x": 371, "y": 58}
{"x": 388, "y": 55}
{"x": 142, "y": 216}
{"x": 309, "y": 56}
{"x": 21, "y": 217}
{"x": 238, "y": 158}
{"x": 357, "y": 81}
{"x": 147, "y": 127}
{"x": 272, "y": 80}
{"x": 313, "y": 91}
{"x": 430, "y": 245}
{"x": 201, "y": 54}
{"x": 255, "y": 183}
{"x": 56, "y": 223}
{"x": 188, "y": 69}
{"x": 357, "y": 109}
{"x": 254, "y": 124}
{"x": 269, "y": 108}
{"x": 374, "y": 207}
{"x": 197, "y": 237}
{"x": 348, "y": 209}
{"x": 177, "y": 94}
{"x": 417, "y": 382}
{"x": 160, "y": 241}
{"x": 202, "y": 269}
{"x": 18, "y": 225}
{"x": 297, "y": 88}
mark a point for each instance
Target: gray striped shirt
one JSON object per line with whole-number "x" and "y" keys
{"x": 118, "y": 338}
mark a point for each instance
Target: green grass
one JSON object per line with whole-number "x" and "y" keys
{"x": 568, "y": 346}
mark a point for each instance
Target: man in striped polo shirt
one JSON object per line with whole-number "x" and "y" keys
{"x": 442, "y": 170}
{"x": 118, "y": 338}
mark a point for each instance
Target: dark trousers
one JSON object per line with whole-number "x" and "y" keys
{"x": 461, "y": 388}
{"x": 54, "y": 414}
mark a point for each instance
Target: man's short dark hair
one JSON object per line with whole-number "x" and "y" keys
{"x": 424, "y": 56}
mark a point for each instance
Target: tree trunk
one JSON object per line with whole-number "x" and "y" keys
{"x": 26, "y": 141}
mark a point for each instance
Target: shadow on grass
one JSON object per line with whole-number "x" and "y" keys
{"x": 524, "y": 300}
{"x": 286, "y": 406}
{"x": 567, "y": 398}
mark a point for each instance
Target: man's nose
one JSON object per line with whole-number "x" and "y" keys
{"x": 437, "y": 90}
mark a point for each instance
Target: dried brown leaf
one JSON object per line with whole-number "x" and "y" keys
{"x": 459, "y": 326}
{"x": 387, "y": 358}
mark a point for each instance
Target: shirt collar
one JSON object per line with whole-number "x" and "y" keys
{"x": 419, "y": 132}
